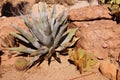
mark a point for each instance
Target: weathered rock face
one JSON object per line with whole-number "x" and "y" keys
{"x": 97, "y": 33}
{"x": 7, "y": 40}
{"x": 108, "y": 72}
{"x": 118, "y": 75}
{"x": 89, "y": 13}
{"x": 10, "y": 7}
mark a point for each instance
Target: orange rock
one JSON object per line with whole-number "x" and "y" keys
{"x": 108, "y": 69}
{"x": 89, "y": 13}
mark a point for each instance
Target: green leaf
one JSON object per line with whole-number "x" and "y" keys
{"x": 81, "y": 53}
{"x": 66, "y": 42}
{"x": 52, "y": 18}
{"x": 93, "y": 62}
{"x": 59, "y": 21}
{"x": 59, "y": 35}
{"x": 32, "y": 60}
{"x": 37, "y": 30}
{"x": 62, "y": 47}
{"x": 28, "y": 36}
{"x": 26, "y": 21}
{"x": 21, "y": 49}
{"x": 70, "y": 33}
{"x": 19, "y": 37}
{"x": 69, "y": 44}
{"x": 70, "y": 52}
{"x": 73, "y": 41}
{"x": 45, "y": 28}
{"x": 44, "y": 20}
{"x": 41, "y": 51}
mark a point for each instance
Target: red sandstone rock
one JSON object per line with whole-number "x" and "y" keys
{"x": 108, "y": 69}
{"x": 89, "y": 13}
{"x": 97, "y": 34}
{"x": 100, "y": 37}
{"x": 6, "y": 28}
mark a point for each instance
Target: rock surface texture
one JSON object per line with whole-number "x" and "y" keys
{"x": 97, "y": 32}
{"x": 108, "y": 69}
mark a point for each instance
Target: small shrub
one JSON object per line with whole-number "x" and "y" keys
{"x": 83, "y": 61}
{"x": 114, "y": 7}
{"x": 21, "y": 64}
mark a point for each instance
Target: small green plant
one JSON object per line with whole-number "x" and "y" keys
{"x": 114, "y": 7}
{"x": 21, "y": 64}
{"x": 110, "y": 1}
{"x": 83, "y": 61}
{"x": 46, "y": 37}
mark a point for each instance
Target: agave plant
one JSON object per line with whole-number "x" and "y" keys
{"x": 47, "y": 36}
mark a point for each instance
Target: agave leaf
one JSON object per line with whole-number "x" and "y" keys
{"x": 70, "y": 33}
{"x": 40, "y": 34}
{"x": 44, "y": 10}
{"x": 62, "y": 17}
{"x": 26, "y": 21}
{"x": 73, "y": 41}
{"x": 40, "y": 18}
{"x": 62, "y": 47}
{"x": 41, "y": 51}
{"x": 68, "y": 44}
{"x": 46, "y": 29}
{"x": 19, "y": 37}
{"x": 59, "y": 21}
{"x": 28, "y": 36}
{"x": 36, "y": 23}
{"x": 56, "y": 56}
{"x": 32, "y": 60}
{"x": 31, "y": 27}
{"x": 52, "y": 18}
{"x": 36, "y": 29}
{"x": 45, "y": 21}
{"x": 50, "y": 53}
{"x": 21, "y": 49}
{"x": 60, "y": 33}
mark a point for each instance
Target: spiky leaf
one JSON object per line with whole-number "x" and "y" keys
{"x": 19, "y": 37}
{"x": 28, "y": 36}
{"x": 21, "y": 50}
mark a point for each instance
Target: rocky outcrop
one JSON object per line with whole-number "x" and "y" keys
{"x": 109, "y": 70}
{"x": 13, "y": 7}
{"x": 97, "y": 32}
{"x": 7, "y": 40}
{"x": 89, "y": 13}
